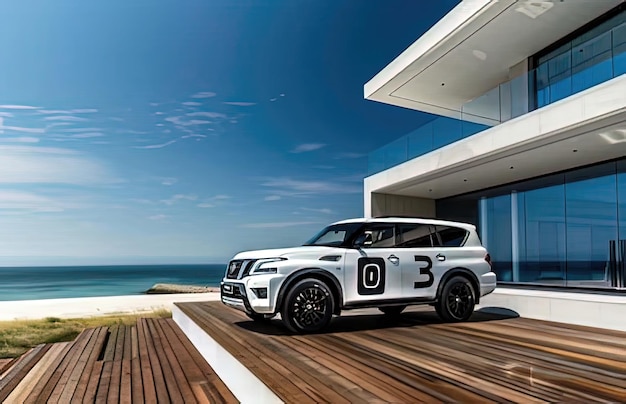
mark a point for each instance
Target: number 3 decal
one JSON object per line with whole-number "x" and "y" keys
{"x": 425, "y": 270}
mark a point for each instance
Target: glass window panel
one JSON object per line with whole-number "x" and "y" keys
{"x": 560, "y": 76}
{"x": 542, "y": 231}
{"x": 446, "y": 131}
{"x": 621, "y": 201}
{"x": 451, "y": 236}
{"x": 420, "y": 141}
{"x": 619, "y": 50}
{"x": 591, "y": 224}
{"x": 591, "y": 62}
{"x": 413, "y": 235}
{"x": 497, "y": 222}
{"x": 396, "y": 152}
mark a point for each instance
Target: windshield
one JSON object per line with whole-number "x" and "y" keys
{"x": 337, "y": 235}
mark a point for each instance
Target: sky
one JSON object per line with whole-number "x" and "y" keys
{"x": 184, "y": 131}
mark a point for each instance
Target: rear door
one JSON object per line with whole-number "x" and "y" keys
{"x": 423, "y": 265}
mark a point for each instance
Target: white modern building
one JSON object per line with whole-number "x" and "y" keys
{"x": 529, "y": 144}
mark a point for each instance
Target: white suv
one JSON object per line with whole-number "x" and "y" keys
{"x": 387, "y": 263}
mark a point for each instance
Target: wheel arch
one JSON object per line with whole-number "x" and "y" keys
{"x": 315, "y": 273}
{"x": 464, "y": 272}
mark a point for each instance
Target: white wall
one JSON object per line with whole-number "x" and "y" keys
{"x": 388, "y": 205}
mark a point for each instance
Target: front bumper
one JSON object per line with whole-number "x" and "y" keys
{"x": 253, "y": 294}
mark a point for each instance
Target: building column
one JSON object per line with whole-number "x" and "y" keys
{"x": 514, "y": 237}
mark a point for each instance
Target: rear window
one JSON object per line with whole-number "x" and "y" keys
{"x": 412, "y": 235}
{"x": 451, "y": 236}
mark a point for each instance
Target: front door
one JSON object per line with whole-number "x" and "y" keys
{"x": 373, "y": 271}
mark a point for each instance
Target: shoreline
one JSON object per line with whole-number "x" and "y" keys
{"x": 76, "y": 307}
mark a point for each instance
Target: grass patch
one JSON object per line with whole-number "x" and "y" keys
{"x": 17, "y": 337}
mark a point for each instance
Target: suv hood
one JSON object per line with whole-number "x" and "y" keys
{"x": 303, "y": 252}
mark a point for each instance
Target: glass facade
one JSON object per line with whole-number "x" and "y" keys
{"x": 566, "y": 229}
{"x": 583, "y": 61}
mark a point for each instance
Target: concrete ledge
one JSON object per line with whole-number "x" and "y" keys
{"x": 246, "y": 387}
{"x": 593, "y": 310}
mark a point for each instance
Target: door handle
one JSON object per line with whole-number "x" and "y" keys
{"x": 441, "y": 257}
{"x": 393, "y": 259}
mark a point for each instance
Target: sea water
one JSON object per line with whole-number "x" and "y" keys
{"x": 28, "y": 283}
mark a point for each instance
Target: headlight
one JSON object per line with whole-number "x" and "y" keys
{"x": 266, "y": 266}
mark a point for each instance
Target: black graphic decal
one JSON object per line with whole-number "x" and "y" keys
{"x": 371, "y": 275}
{"x": 425, "y": 270}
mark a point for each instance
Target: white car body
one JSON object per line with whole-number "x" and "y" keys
{"x": 368, "y": 275}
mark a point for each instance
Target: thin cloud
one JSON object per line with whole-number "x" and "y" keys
{"x": 190, "y": 136}
{"x": 47, "y": 165}
{"x": 272, "y": 198}
{"x": 205, "y": 205}
{"x": 240, "y": 103}
{"x": 285, "y": 186}
{"x": 6, "y": 114}
{"x": 27, "y": 202}
{"x": 169, "y": 181}
{"x": 192, "y": 104}
{"x": 22, "y": 139}
{"x": 204, "y": 94}
{"x": 65, "y": 118}
{"x": 178, "y": 198}
{"x": 275, "y": 225}
{"x": 18, "y": 107}
{"x": 221, "y": 197}
{"x": 179, "y": 120}
{"x": 273, "y": 99}
{"x": 68, "y": 111}
{"x": 77, "y": 130}
{"x": 325, "y": 211}
{"x": 208, "y": 114}
{"x": 157, "y": 217}
{"x": 86, "y": 135}
{"x": 156, "y": 146}
{"x": 307, "y": 147}
{"x": 4, "y": 127}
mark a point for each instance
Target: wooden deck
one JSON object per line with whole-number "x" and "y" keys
{"x": 150, "y": 362}
{"x": 367, "y": 357}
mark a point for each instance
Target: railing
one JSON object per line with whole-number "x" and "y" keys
{"x": 583, "y": 66}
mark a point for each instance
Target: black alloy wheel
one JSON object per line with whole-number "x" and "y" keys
{"x": 308, "y": 307}
{"x": 456, "y": 302}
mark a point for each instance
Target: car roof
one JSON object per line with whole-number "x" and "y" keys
{"x": 397, "y": 219}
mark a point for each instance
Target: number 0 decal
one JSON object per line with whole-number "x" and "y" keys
{"x": 371, "y": 276}
{"x": 425, "y": 270}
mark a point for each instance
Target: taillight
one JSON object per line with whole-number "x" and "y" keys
{"x": 488, "y": 259}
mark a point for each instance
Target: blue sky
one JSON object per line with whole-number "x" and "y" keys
{"x": 185, "y": 131}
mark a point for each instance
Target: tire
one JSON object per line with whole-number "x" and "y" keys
{"x": 456, "y": 302}
{"x": 308, "y": 306}
{"x": 392, "y": 310}
{"x": 264, "y": 318}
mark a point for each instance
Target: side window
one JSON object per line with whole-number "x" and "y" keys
{"x": 414, "y": 235}
{"x": 451, "y": 236}
{"x": 379, "y": 236}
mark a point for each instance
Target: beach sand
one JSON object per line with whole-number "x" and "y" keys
{"x": 95, "y": 306}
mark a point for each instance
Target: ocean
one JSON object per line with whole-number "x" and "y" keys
{"x": 28, "y": 283}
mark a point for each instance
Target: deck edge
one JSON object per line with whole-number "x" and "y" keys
{"x": 246, "y": 387}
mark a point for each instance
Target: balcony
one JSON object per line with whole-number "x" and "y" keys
{"x": 585, "y": 65}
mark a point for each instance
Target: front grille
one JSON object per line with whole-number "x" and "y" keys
{"x": 233, "y": 269}
{"x": 237, "y": 269}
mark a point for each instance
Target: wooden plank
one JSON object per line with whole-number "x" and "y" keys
{"x": 26, "y": 385}
{"x": 136, "y": 379}
{"x": 126, "y": 376}
{"x": 37, "y": 390}
{"x": 155, "y": 365}
{"x": 73, "y": 377}
{"x": 60, "y": 375}
{"x": 209, "y": 382}
{"x": 113, "y": 395}
{"x": 14, "y": 376}
{"x": 173, "y": 389}
{"x": 104, "y": 381}
{"x": 149, "y": 388}
{"x": 82, "y": 379}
